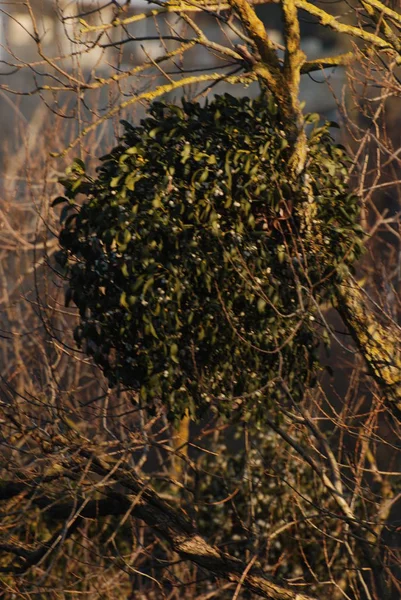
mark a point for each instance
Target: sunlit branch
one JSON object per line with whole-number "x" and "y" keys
{"x": 124, "y": 22}
{"x": 293, "y": 55}
{"x": 379, "y": 344}
{"x": 385, "y": 10}
{"x": 328, "y": 20}
{"x": 294, "y": 58}
{"x": 340, "y": 60}
{"x": 156, "y": 93}
{"x": 383, "y": 26}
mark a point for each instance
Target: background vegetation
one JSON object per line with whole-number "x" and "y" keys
{"x": 288, "y": 487}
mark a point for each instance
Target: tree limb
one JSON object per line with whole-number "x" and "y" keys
{"x": 378, "y": 344}
{"x": 136, "y": 496}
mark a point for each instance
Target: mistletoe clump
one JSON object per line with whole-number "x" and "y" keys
{"x": 196, "y": 259}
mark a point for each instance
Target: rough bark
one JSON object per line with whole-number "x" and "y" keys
{"x": 282, "y": 81}
{"x": 379, "y": 344}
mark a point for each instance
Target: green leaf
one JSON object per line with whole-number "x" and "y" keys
{"x": 261, "y": 305}
{"x": 156, "y": 202}
{"x": 281, "y": 254}
{"x": 152, "y": 330}
{"x": 64, "y": 212}
{"x": 153, "y": 133}
{"x": 123, "y": 300}
{"x": 131, "y": 151}
{"x": 148, "y": 284}
{"x": 174, "y": 352}
{"x": 59, "y": 200}
{"x": 312, "y": 118}
{"x": 77, "y": 166}
{"x": 76, "y": 185}
{"x": 186, "y": 153}
{"x": 115, "y": 181}
{"x": 204, "y": 175}
{"x": 132, "y": 179}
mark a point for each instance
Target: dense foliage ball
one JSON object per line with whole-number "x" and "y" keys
{"x": 196, "y": 261}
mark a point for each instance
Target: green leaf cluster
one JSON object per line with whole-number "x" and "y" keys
{"x": 196, "y": 260}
